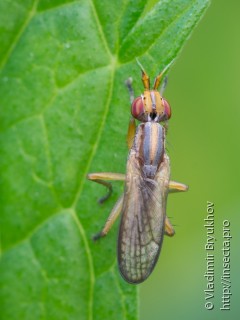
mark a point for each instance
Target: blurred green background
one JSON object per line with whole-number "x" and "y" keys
{"x": 203, "y": 144}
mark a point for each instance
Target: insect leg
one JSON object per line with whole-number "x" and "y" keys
{"x": 169, "y": 231}
{"x": 164, "y": 85}
{"x": 111, "y": 219}
{"x": 106, "y": 176}
{"x": 165, "y": 125}
{"x": 128, "y": 83}
{"x": 131, "y": 132}
{"x": 132, "y": 124}
{"x": 101, "y": 177}
{"x": 175, "y": 186}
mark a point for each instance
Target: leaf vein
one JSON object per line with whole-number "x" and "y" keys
{"x": 34, "y": 230}
{"x": 58, "y": 6}
{"x": 100, "y": 29}
{"x": 43, "y": 273}
{"x": 177, "y": 17}
{"x": 19, "y": 34}
{"x": 90, "y": 261}
{"x": 48, "y": 156}
{"x": 113, "y": 270}
{"x": 95, "y": 145}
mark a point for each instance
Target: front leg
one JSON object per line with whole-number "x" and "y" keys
{"x": 132, "y": 123}
{"x": 101, "y": 177}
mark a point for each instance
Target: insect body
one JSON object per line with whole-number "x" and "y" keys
{"x": 147, "y": 184}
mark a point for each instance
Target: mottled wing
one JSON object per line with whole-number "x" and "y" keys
{"x": 143, "y": 217}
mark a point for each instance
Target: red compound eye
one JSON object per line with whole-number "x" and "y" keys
{"x": 137, "y": 107}
{"x": 167, "y": 109}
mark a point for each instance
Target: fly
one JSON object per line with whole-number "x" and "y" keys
{"x": 147, "y": 184}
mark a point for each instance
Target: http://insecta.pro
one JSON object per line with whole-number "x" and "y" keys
{"x": 147, "y": 184}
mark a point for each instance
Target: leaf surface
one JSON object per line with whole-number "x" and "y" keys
{"x": 64, "y": 112}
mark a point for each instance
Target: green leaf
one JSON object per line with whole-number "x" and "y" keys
{"x": 64, "y": 112}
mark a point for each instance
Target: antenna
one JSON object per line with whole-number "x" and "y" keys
{"x": 145, "y": 77}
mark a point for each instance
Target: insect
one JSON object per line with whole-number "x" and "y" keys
{"x": 147, "y": 184}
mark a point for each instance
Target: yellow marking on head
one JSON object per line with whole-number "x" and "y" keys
{"x": 148, "y": 103}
